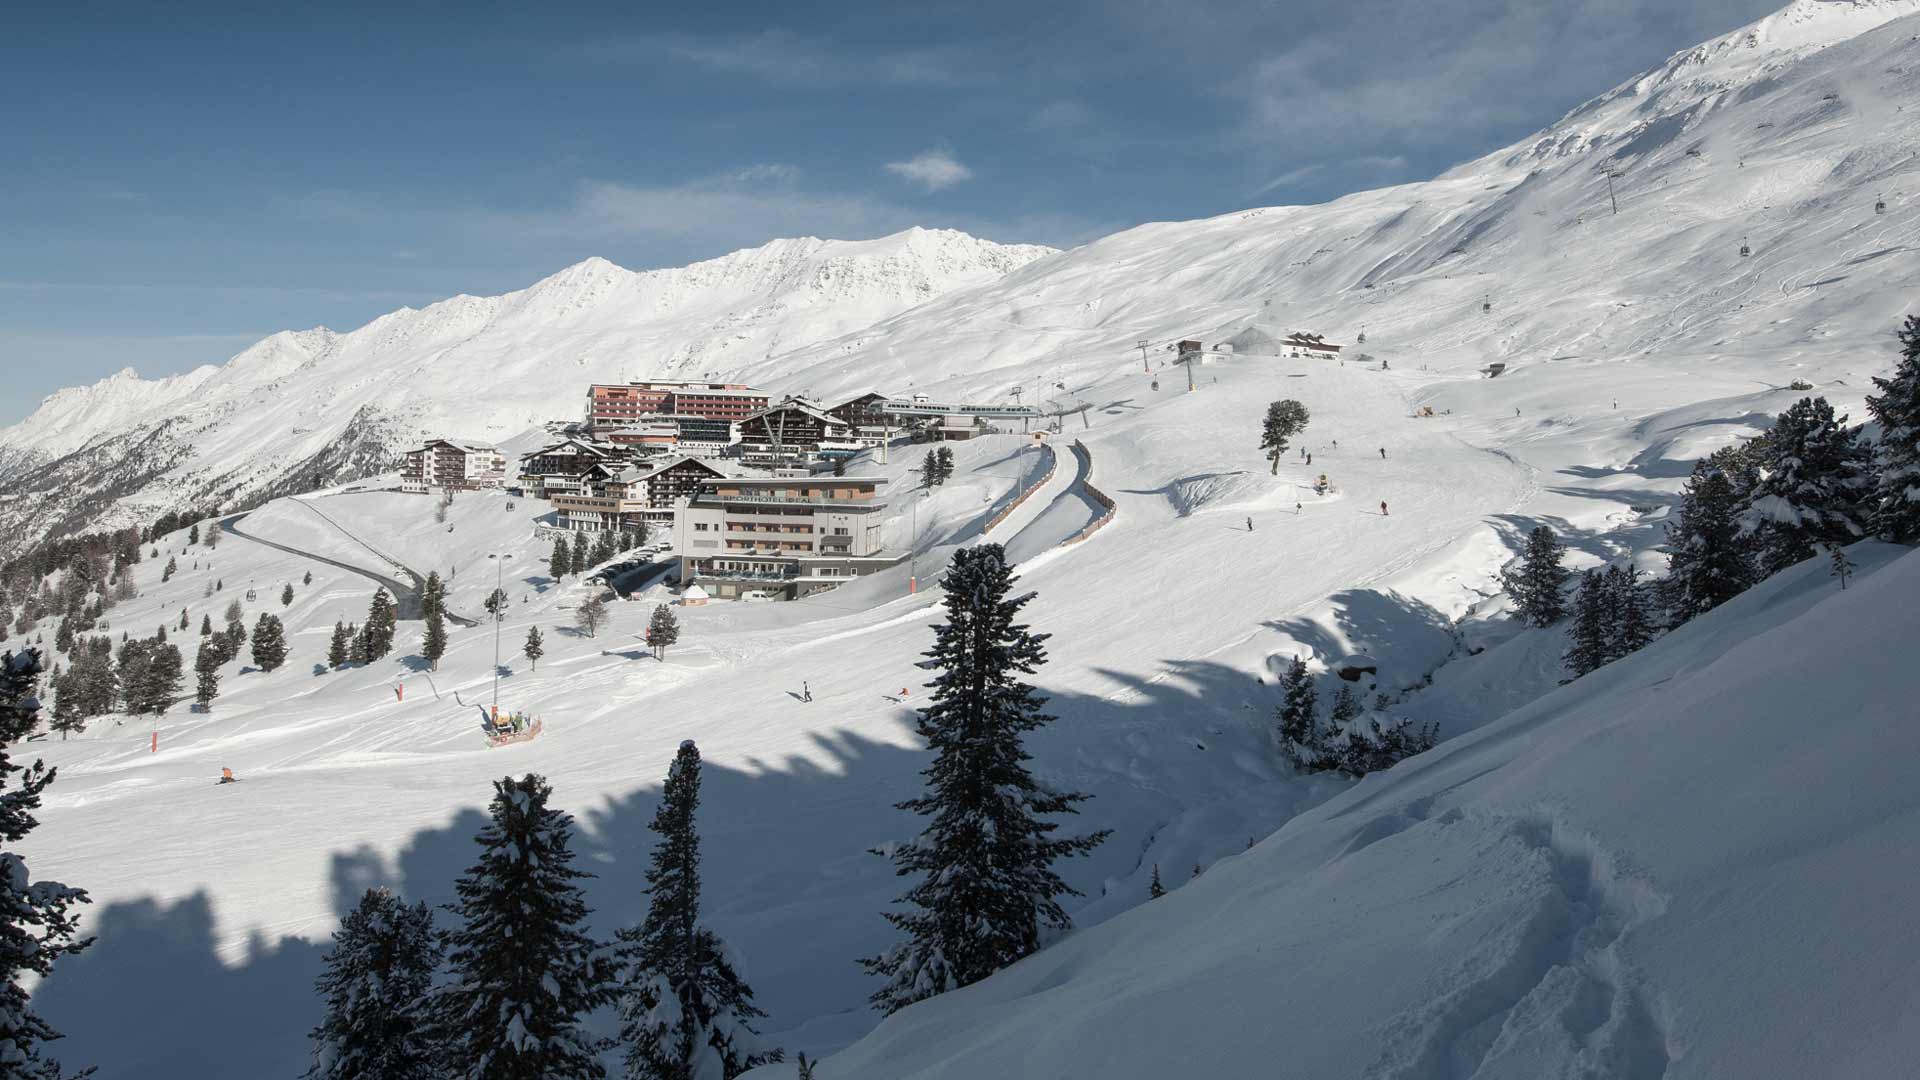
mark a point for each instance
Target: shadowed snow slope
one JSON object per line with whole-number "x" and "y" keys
{"x": 1688, "y": 864}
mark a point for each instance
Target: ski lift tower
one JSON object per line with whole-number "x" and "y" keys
{"x": 1142, "y": 346}
{"x": 1190, "y": 351}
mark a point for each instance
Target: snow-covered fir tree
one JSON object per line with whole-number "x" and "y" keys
{"x": 377, "y": 987}
{"x": 433, "y": 644}
{"x": 1298, "y": 715}
{"x": 286, "y": 595}
{"x": 524, "y": 972}
{"x": 1536, "y": 586}
{"x": 1812, "y": 487}
{"x": 339, "y": 646}
{"x": 433, "y": 595}
{"x": 1587, "y": 630}
{"x": 1284, "y": 420}
{"x": 582, "y": 558}
{"x": 560, "y": 563}
{"x": 269, "y": 642}
{"x": 1896, "y": 494}
{"x": 1630, "y": 623}
{"x": 1707, "y": 562}
{"x": 379, "y": 630}
{"x": 685, "y": 1011}
{"x": 986, "y": 887}
{"x": 38, "y": 923}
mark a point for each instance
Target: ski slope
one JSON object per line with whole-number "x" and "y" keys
{"x": 1635, "y": 343}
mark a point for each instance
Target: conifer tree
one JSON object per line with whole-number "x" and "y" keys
{"x": 944, "y": 459}
{"x": 1811, "y": 490}
{"x": 357, "y": 653}
{"x": 1841, "y": 566}
{"x": 1629, "y": 622}
{"x": 235, "y": 613}
{"x": 434, "y": 644}
{"x": 433, "y": 596}
{"x": 524, "y": 971}
{"x": 67, "y": 719}
{"x": 685, "y": 1012}
{"x": 930, "y": 470}
{"x": 286, "y": 595}
{"x": 38, "y": 924}
{"x": 560, "y": 563}
{"x": 534, "y": 649}
{"x": 1284, "y": 420}
{"x": 172, "y": 567}
{"x": 338, "y": 646}
{"x": 307, "y": 578}
{"x": 206, "y": 670}
{"x": 269, "y": 642}
{"x": 376, "y": 986}
{"x": 1587, "y": 632}
{"x": 1298, "y": 716}
{"x": 193, "y": 534}
{"x": 380, "y": 625}
{"x": 985, "y": 858}
{"x": 1707, "y": 563}
{"x": 1346, "y": 709}
{"x": 1155, "y": 890}
{"x": 206, "y": 625}
{"x": 663, "y": 629}
{"x": 582, "y": 559}
{"x": 1536, "y": 587}
{"x": 213, "y": 534}
{"x": 184, "y": 622}
{"x": 1896, "y": 494}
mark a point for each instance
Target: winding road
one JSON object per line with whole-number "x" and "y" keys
{"x": 406, "y": 596}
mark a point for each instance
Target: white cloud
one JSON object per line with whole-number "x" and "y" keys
{"x": 932, "y": 169}
{"x": 782, "y": 57}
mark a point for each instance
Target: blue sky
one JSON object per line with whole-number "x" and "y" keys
{"x": 179, "y": 180}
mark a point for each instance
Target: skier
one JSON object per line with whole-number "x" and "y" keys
{"x": 1383, "y": 508}
{"x": 1296, "y": 509}
{"x": 1249, "y": 524}
{"x": 1516, "y": 410}
{"x": 1309, "y": 459}
{"x": 226, "y": 776}
{"x": 1383, "y": 453}
{"x": 805, "y": 693}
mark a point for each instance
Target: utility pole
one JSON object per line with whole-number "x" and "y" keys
{"x": 499, "y": 616}
{"x": 1610, "y": 197}
{"x": 1142, "y": 343}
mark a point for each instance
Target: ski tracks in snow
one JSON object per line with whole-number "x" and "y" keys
{"x": 1553, "y": 993}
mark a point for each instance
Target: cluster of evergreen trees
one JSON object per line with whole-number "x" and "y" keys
{"x": 1809, "y": 485}
{"x": 1339, "y": 742}
{"x": 583, "y": 555}
{"x": 504, "y": 992}
{"x": 356, "y": 644}
{"x": 936, "y": 467}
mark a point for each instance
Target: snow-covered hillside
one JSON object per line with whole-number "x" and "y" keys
{"x": 1551, "y": 890}
{"x": 303, "y": 409}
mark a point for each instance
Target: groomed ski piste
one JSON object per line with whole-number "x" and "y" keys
{"x": 1684, "y": 865}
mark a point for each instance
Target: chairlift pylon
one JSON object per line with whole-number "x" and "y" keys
{"x": 1744, "y": 249}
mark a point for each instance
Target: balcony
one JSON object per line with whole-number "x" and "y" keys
{"x": 774, "y": 499}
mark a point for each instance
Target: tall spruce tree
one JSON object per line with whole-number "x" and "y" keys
{"x": 534, "y": 649}
{"x": 286, "y": 595}
{"x": 685, "y": 1012}
{"x": 380, "y": 624}
{"x": 1812, "y": 488}
{"x": 1155, "y": 890}
{"x": 269, "y": 642}
{"x": 582, "y": 558}
{"x": 38, "y": 923}
{"x": 1298, "y": 716}
{"x": 1707, "y": 562}
{"x": 338, "y": 646}
{"x": 985, "y": 858}
{"x": 376, "y": 985}
{"x": 944, "y": 459}
{"x": 433, "y": 596}
{"x": 206, "y": 671}
{"x": 524, "y": 971}
{"x": 1284, "y": 420}
{"x": 930, "y": 470}
{"x": 1536, "y": 586}
{"x": 560, "y": 563}
{"x": 357, "y": 653}
{"x": 433, "y": 645}
{"x": 1629, "y": 622}
{"x": 1896, "y": 494}
{"x": 1587, "y": 632}
{"x": 206, "y": 625}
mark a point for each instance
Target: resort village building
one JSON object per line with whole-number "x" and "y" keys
{"x": 781, "y": 537}
{"x": 562, "y": 467}
{"x": 445, "y": 464}
{"x": 626, "y": 496}
{"x": 794, "y": 432}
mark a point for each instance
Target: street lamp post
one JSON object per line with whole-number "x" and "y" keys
{"x": 499, "y": 616}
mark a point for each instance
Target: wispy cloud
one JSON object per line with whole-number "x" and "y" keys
{"x": 934, "y": 170}
{"x": 781, "y": 56}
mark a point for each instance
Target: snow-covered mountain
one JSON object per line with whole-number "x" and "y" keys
{"x": 309, "y": 407}
{"x": 1689, "y": 863}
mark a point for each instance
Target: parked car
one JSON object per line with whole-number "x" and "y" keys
{"x": 755, "y": 596}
